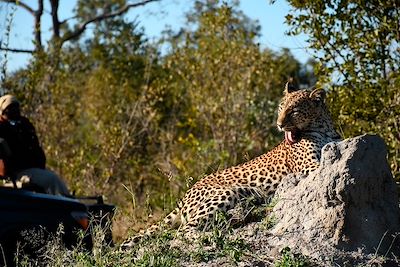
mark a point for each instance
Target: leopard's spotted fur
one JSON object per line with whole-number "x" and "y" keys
{"x": 307, "y": 124}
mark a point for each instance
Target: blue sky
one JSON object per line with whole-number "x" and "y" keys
{"x": 154, "y": 18}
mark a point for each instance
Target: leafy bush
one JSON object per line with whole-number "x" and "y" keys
{"x": 117, "y": 117}
{"x": 356, "y": 47}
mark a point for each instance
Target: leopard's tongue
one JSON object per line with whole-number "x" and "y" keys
{"x": 290, "y": 137}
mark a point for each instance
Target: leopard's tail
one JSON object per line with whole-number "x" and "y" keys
{"x": 172, "y": 220}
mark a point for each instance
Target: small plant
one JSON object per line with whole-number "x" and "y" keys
{"x": 220, "y": 244}
{"x": 53, "y": 252}
{"x": 201, "y": 255}
{"x": 269, "y": 222}
{"x": 157, "y": 251}
{"x": 290, "y": 259}
{"x": 263, "y": 213}
{"x": 160, "y": 257}
{"x": 272, "y": 203}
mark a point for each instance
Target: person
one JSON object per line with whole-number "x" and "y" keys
{"x": 22, "y": 157}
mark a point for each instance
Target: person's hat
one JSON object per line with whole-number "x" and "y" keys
{"x": 6, "y": 101}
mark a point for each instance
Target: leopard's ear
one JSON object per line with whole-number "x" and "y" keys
{"x": 318, "y": 94}
{"x": 290, "y": 87}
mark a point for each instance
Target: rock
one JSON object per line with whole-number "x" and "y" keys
{"x": 350, "y": 204}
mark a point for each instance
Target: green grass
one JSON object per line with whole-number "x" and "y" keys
{"x": 290, "y": 259}
{"x": 164, "y": 248}
{"x": 220, "y": 245}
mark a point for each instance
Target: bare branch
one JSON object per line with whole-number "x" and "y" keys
{"x": 103, "y": 16}
{"x": 55, "y": 20}
{"x": 16, "y": 50}
{"x": 38, "y": 18}
{"x": 21, "y": 4}
{"x": 37, "y": 14}
{"x": 67, "y": 19}
{"x": 56, "y": 23}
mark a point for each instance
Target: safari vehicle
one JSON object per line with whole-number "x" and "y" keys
{"x": 23, "y": 212}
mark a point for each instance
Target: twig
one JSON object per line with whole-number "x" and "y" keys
{"x": 103, "y": 16}
{"x": 21, "y": 4}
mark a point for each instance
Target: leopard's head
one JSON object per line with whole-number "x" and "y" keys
{"x": 300, "y": 111}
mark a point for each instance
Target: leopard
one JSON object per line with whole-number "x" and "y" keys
{"x": 307, "y": 125}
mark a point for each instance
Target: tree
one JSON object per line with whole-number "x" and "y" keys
{"x": 357, "y": 46}
{"x": 117, "y": 113}
{"x": 65, "y": 31}
{"x": 222, "y": 90}
{"x": 85, "y": 114}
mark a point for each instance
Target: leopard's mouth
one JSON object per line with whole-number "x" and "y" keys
{"x": 292, "y": 136}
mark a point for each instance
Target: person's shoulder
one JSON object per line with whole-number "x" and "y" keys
{"x": 25, "y": 120}
{"x": 26, "y": 124}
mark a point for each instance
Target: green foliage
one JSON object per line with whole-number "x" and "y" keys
{"x": 218, "y": 245}
{"x": 114, "y": 113}
{"x": 158, "y": 252}
{"x": 222, "y": 90}
{"x": 357, "y": 50}
{"x": 290, "y": 259}
{"x": 163, "y": 249}
{"x": 269, "y": 222}
{"x": 218, "y": 242}
{"x": 52, "y": 252}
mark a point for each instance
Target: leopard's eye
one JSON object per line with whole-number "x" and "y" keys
{"x": 295, "y": 112}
